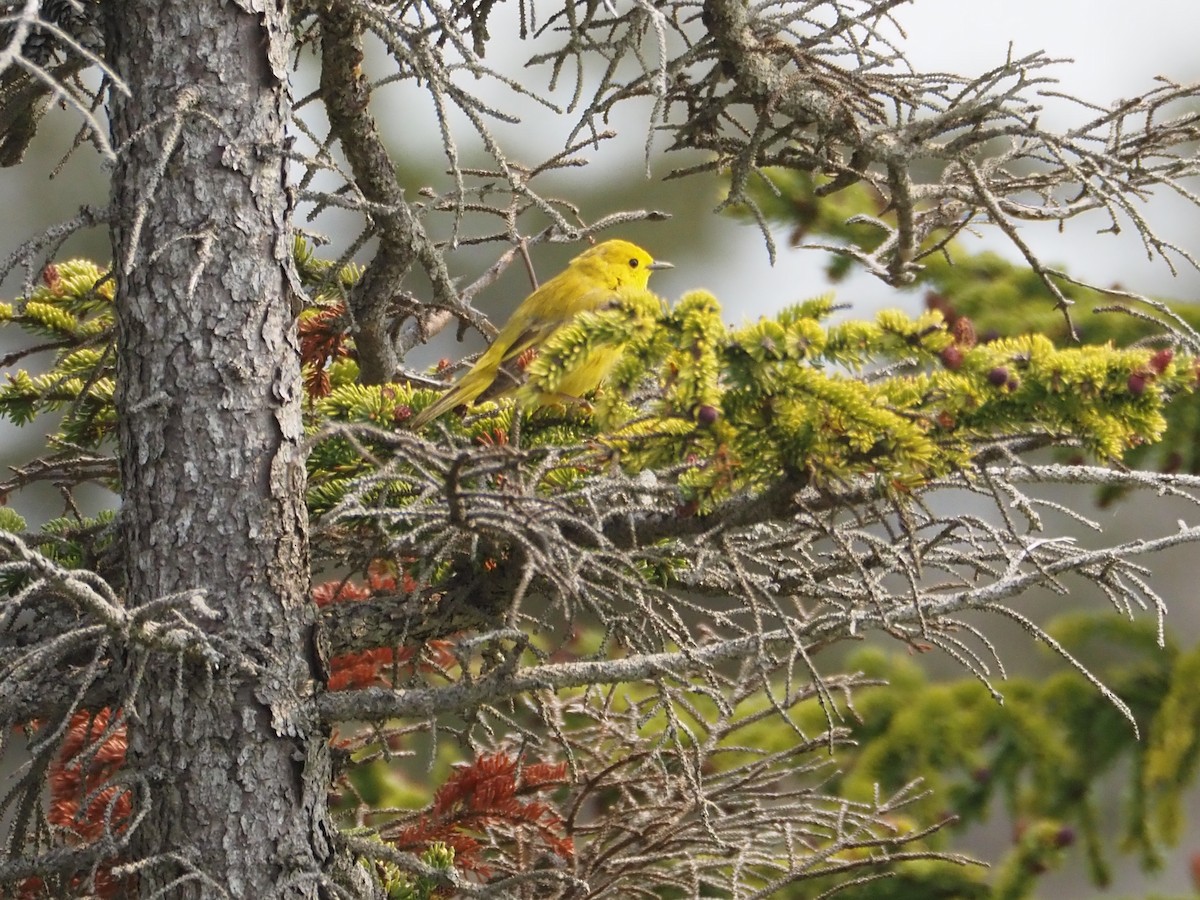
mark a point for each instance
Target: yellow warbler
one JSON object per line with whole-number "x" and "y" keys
{"x": 593, "y": 280}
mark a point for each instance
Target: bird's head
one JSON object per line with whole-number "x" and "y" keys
{"x": 618, "y": 263}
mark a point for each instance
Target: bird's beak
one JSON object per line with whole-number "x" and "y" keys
{"x": 659, "y": 264}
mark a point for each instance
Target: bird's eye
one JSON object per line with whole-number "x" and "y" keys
{"x": 633, "y": 264}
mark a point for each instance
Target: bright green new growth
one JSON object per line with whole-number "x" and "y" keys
{"x": 708, "y": 415}
{"x": 725, "y": 410}
{"x": 70, "y": 312}
{"x": 999, "y": 297}
{"x": 787, "y": 397}
{"x": 400, "y": 884}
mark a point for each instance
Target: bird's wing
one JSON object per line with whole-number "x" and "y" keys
{"x": 509, "y": 375}
{"x": 546, "y": 321}
{"x": 547, "y": 314}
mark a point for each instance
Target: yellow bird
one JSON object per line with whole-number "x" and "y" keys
{"x": 592, "y": 280}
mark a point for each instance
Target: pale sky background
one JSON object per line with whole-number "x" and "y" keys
{"x": 1117, "y": 47}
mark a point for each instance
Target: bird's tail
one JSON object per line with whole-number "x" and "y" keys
{"x": 438, "y": 407}
{"x": 468, "y": 388}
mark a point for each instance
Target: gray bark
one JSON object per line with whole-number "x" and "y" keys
{"x": 236, "y": 766}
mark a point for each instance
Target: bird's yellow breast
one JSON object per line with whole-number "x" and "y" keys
{"x": 590, "y": 372}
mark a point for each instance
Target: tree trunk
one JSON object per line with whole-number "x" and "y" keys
{"x": 236, "y": 767}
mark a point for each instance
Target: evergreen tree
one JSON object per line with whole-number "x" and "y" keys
{"x": 581, "y": 650}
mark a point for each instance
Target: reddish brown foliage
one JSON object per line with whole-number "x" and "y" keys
{"x": 526, "y": 359}
{"x": 84, "y": 804}
{"x": 365, "y": 668}
{"x": 81, "y": 772}
{"x": 495, "y": 438}
{"x": 490, "y": 794}
{"x": 493, "y": 793}
{"x": 52, "y": 278}
{"x": 322, "y": 340}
